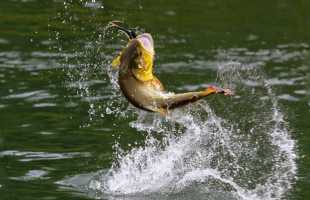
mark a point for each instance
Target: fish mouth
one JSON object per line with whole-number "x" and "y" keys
{"x": 146, "y": 41}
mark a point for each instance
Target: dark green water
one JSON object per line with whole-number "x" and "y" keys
{"x": 62, "y": 120}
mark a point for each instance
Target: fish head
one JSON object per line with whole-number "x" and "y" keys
{"x": 138, "y": 55}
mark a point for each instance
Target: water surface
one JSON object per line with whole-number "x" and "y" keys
{"x": 66, "y": 132}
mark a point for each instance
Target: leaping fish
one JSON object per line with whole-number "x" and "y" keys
{"x": 138, "y": 82}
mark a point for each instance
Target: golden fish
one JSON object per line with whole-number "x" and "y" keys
{"x": 137, "y": 81}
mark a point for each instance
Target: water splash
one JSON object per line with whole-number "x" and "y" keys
{"x": 251, "y": 156}
{"x": 88, "y": 68}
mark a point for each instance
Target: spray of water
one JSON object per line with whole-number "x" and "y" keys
{"x": 250, "y": 156}
{"x": 89, "y": 69}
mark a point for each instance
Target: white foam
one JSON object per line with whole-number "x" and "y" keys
{"x": 199, "y": 147}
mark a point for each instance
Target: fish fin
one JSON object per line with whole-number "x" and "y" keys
{"x": 211, "y": 90}
{"x": 157, "y": 84}
{"x": 216, "y": 90}
{"x": 116, "y": 62}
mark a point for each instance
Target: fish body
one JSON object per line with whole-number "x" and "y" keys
{"x": 138, "y": 83}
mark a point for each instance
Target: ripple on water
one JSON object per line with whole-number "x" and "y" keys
{"x": 5, "y": 55}
{"x": 27, "y": 156}
{"x": 196, "y": 64}
{"x": 290, "y": 81}
{"x": 288, "y": 97}
{"x": 3, "y": 41}
{"x": 300, "y": 92}
{"x": 44, "y": 105}
{"x": 85, "y": 84}
{"x": 31, "y": 95}
{"x": 43, "y": 54}
{"x": 32, "y": 175}
{"x": 33, "y": 61}
{"x": 283, "y": 53}
{"x": 46, "y": 133}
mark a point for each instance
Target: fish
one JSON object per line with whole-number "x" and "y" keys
{"x": 137, "y": 80}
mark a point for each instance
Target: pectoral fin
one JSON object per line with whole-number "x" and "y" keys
{"x": 116, "y": 62}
